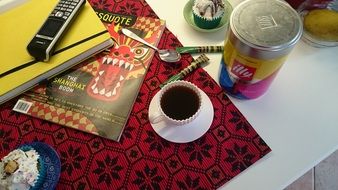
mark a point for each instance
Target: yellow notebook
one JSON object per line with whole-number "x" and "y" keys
{"x": 85, "y": 37}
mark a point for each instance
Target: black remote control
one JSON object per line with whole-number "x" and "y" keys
{"x": 43, "y": 43}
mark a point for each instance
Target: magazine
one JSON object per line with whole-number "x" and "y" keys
{"x": 97, "y": 95}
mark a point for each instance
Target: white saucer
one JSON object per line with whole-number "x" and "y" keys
{"x": 188, "y": 132}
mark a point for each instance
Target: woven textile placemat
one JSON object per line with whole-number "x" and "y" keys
{"x": 142, "y": 159}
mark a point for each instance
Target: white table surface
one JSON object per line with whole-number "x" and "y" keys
{"x": 297, "y": 117}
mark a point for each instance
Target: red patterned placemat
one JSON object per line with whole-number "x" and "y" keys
{"x": 142, "y": 159}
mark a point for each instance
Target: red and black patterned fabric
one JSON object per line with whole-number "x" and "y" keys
{"x": 142, "y": 159}
{"x": 295, "y": 3}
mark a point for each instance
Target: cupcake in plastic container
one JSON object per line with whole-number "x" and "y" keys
{"x": 22, "y": 169}
{"x": 208, "y": 13}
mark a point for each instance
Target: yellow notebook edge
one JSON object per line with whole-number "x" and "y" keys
{"x": 57, "y": 70}
{"x": 74, "y": 45}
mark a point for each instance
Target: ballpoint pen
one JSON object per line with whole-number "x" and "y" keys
{"x": 193, "y": 65}
{"x": 200, "y": 49}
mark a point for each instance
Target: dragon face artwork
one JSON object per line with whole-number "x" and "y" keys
{"x": 124, "y": 61}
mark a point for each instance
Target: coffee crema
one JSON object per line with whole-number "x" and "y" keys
{"x": 180, "y": 102}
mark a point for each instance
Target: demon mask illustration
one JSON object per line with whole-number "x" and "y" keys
{"x": 124, "y": 61}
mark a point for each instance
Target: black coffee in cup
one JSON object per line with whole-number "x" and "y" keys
{"x": 180, "y": 102}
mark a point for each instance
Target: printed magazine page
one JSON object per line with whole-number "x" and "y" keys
{"x": 97, "y": 95}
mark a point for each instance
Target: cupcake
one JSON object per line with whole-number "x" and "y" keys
{"x": 208, "y": 13}
{"x": 21, "y": 169}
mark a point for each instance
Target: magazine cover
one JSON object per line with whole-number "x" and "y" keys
{"x": 97, "y": 95}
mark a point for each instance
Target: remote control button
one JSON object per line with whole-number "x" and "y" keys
{"x": 59, "y": 14}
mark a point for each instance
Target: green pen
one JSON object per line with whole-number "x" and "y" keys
{"x": 200, "y": 49}
{"x": 193, "y": 65}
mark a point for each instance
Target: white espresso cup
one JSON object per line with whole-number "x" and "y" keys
{"x": 179, "y": 103}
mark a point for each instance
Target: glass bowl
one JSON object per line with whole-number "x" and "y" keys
{"x": 320, "y": 21}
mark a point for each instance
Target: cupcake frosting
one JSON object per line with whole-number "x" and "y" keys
{"x": 18, "y": 170}
{"x": 208, "y": 9}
